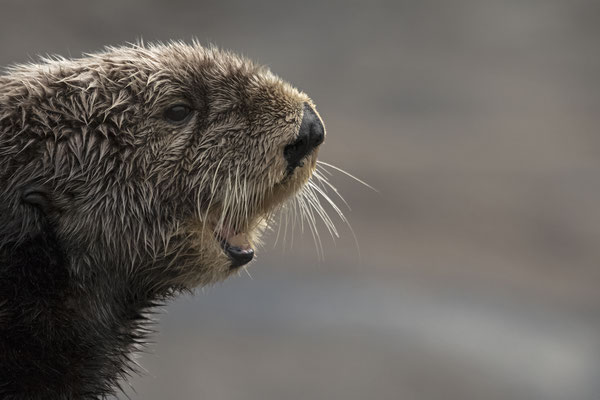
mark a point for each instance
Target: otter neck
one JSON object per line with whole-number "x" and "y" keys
{"x": 63, "y": 336}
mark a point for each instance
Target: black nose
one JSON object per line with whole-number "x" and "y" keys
{"x": 310, "y": 136}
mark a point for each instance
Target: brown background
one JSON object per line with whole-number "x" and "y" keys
{"x": 478, "y": 274}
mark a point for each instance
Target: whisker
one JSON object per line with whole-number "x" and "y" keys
{"x": 318, "y": 208}
{"x": 300, "y": 216}
{"x": 286, "y": 228}
{"x": 340, "y": 214}
{"x": 312, "y": 225}
{"x": 328, "y": 199}
{"x": 347, "y": 174}
{"x": 292, "y": 223}
{"x": 213, "y": 191}
{"x": 245, "y": 268}
{"x": 324, "y": 180}
{"x": 281, "y": 210}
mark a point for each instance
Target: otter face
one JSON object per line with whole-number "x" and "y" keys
{"x": 239, "y": 142}
{"x": 166, "y": 161}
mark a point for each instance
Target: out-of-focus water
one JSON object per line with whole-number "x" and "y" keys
{"x": 329, "y": 337}
{"x": 477, "y": 273}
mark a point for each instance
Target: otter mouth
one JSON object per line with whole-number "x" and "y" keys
{"x": 236, "y": 245}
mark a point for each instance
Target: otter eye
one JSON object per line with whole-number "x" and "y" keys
{"x": 177, "y": 113}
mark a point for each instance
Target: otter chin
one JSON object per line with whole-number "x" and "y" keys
{"x": 237, "y": 246}
{"x": 127, "y": 176}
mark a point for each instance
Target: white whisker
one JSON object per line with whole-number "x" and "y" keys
{"x": 245, "y": 268}
{"x": 278, "y": 226}
{"x": 339, "y": 212}
{"x": 313, "y": 200}
{"x": 347, "y": 174}
{"x": 324, "y": 180}
{"x": 312, "y": 224}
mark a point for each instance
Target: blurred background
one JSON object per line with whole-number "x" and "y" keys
{"x": 477, "y": 275}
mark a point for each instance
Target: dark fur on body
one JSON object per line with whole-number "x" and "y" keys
{"x": 106, "y": 209}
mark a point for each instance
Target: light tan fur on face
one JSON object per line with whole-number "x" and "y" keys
{"x": 153, "y": 192}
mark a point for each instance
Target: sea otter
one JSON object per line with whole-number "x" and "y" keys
{"x": 128, "y": 176}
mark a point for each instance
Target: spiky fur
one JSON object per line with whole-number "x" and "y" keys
{"x": 133, "y": 201}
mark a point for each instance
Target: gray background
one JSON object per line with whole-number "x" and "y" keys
{"x": 478, "y": 273}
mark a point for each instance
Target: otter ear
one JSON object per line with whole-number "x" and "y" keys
{"x": 26, "y": 218}
{"x": 39, "y": 197}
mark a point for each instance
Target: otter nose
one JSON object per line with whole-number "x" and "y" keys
{"x": 310, "y": 135}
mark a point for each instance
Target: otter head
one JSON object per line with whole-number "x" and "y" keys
{"x": 162, "y": 164}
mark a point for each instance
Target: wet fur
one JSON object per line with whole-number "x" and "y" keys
{"x": 106, "y": 209}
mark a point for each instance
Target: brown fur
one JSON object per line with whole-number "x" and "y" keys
{"x": 133, "y": 200}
